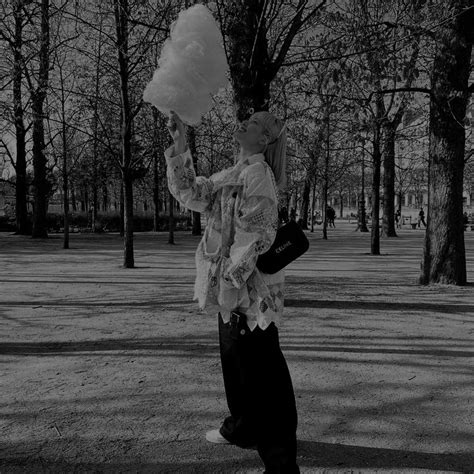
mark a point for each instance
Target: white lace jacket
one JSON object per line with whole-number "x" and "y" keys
{"x": 241, "y": 206}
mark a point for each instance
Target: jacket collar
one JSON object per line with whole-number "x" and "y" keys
{"x": 230, "y": 176}
{"x": 250, "y": 160}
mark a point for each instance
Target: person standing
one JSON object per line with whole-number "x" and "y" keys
{"x": 330, "y": 215}
{"x": 241, "y": 204}
{"x": 398, "y": 219}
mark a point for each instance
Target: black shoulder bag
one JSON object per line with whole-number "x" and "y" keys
{"x": 290, "y": 243}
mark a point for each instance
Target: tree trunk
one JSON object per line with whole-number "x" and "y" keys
{"x": 156, "y": 193}
{"x": 85, "y": 199}
{"x": 326, "y": 174}
{"x": 95, "y": 126}
{"x": 41, "y": 186}
{"x": 171, "y": 219}
{"x": 121, "y": 22}
{"x": 128, "y": 257}
{"x": 105, "y": 196}
{"x": 40, "y": 182}
{"x": 65, "y": 203}
{"x": 21, "y": 188}
{"x": 388, "y": 218}
{"x": 156, "y": 176}
{"x": 247, "y": 54}
{"x": 73, "y": 197}
{"x": 376, "y": 161}
{"x": 362, "y": 218}
{"x": 122, "y": 210}
{"x": 95, "y": 194}
{"x": 305, "y": 198}
{"x": 361, "y": 212}
{"x": 313, "y": 202}
{"x": 196, "y": 216}
{"x": 324, "y": 206}
{"x": 65, "y": 173}
{"x": 444, "y": 258}
{"x": 252, "y": 68}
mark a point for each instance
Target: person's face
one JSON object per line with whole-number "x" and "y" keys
{"x": 250, "y": 134}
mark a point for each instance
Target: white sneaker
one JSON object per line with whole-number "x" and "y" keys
{"x": 214, "y": 436}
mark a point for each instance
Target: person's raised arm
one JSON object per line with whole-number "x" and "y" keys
{"x": 192, "y": 192}
{"x": 178, "y": 134}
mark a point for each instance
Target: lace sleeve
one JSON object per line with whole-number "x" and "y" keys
{"x": 194, "y": 193}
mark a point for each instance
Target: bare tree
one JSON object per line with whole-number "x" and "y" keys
{"x": 129, "y": 57}
{"x": 258, "y": 35}
{"x": 41, "y": 184}
{"x": 21, "y": 190}
{"x": 14, "y": 37}
{"x": 122, "y": 13}
{"x": 444, "y": 258}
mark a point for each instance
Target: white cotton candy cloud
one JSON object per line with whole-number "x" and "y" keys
{"x": 192, "y": 66}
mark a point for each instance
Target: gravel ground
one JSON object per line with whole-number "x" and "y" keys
{"x": 106, "y": 369}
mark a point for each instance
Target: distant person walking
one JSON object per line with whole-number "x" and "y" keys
{"x": 330, "y": 216}
{"x": 421, "y": 218}
{"x": 398, "y": 219}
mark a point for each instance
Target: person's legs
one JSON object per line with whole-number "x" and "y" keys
{"x": 238, "y": 427}
{"x": 259, "y": 394}
{"x": 277, "y": 416}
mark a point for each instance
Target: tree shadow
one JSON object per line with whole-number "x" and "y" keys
{"x": 205, "y": 345}
{"x": 380, "y": 305}
{"x": 184, "y": 282}
{"x": 36, "y": 466}
{"x": 199, "y": 346}
{"x": 325, "y": 455}
{"x": 89, "y": 303}
{"x": 311, "y": 455}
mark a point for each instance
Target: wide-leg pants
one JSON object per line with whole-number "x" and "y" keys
{"x": 259, "y": 394}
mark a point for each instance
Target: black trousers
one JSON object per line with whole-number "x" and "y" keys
{"x": 259, "y": 394}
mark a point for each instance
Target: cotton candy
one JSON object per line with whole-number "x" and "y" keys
{"x": 191, "y": 68}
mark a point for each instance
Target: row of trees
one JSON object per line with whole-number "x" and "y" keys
{"x": 346, "y": 77}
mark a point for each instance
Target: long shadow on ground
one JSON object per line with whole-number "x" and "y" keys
{"x": 205, "y": 345}
{"x": 380, "y": 305}
{"x": 342, "y": 456}
{"x": 311, "y": 455}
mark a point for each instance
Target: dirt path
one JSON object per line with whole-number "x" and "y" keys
{"x": 113, "y": 370}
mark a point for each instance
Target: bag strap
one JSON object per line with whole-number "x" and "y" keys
{"x": 278, "y": 195}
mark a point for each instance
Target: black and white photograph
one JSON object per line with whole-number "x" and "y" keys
{"x": 237, "y": 236}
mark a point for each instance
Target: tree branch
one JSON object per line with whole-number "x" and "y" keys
{"x": 8, "y": 152}
{"x": 400, "y": 89}
{"x": 416, "y": 29}
{"x": 150, "y": 26}
{"x": 297, "y": 22}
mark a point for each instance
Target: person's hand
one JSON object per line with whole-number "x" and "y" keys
{"x": 177, "y": 131}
